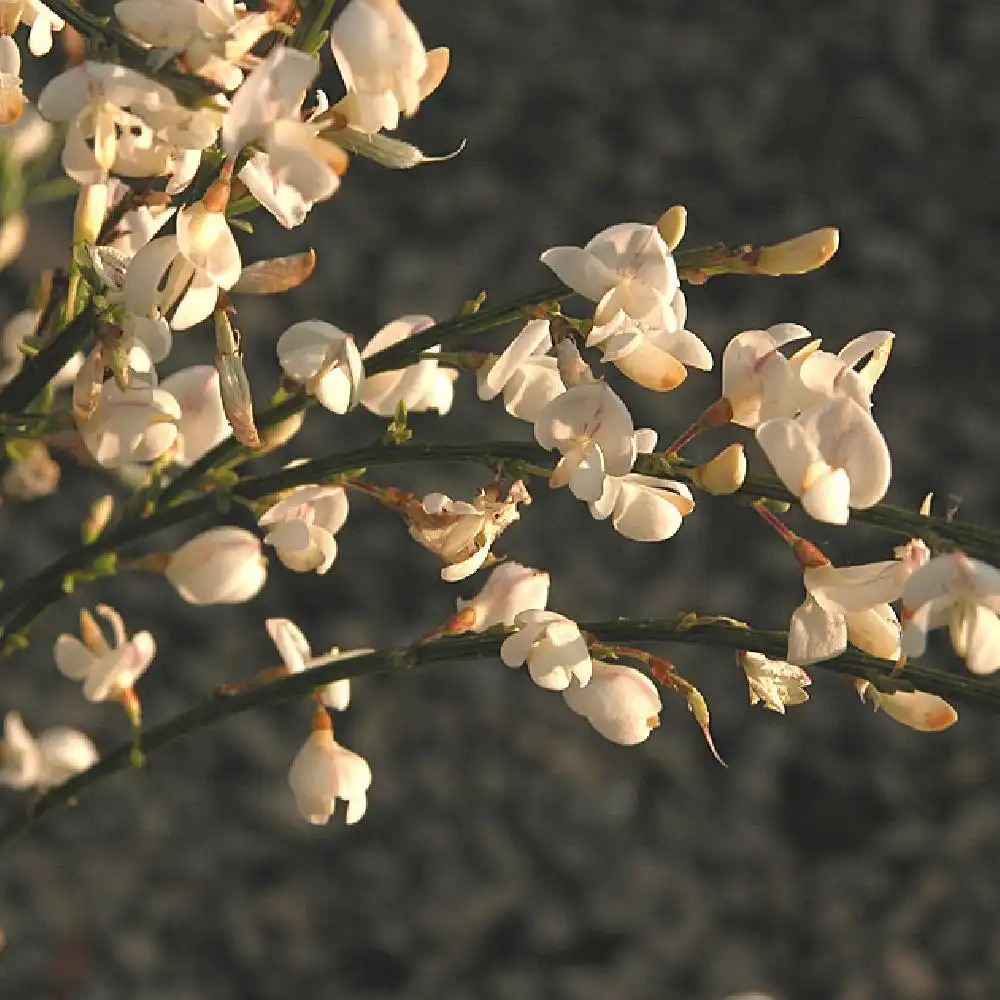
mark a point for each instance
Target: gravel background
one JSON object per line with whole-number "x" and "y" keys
{"x": 509, "y": 852}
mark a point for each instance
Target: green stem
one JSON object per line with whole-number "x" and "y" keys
{"x": 681, "y": 628}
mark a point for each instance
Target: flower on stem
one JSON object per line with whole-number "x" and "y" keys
{"x": 42, "y": 763}
{"x": 507, "y": 372}
{"x": 94, "y": 99}
{"x": 756, "y": 375}
{"x": 833, "y": 457}
{"x": 723, "y": 474}
{"x": 138, "y": 424}
{"x": 509, "y": 589}
{"x": 850, "y": 603}
{"x": 926, "y": 713}
{"x": 620, "y": 702}
{"x": 326, "y": 360}
{"x": 302, "y": 526}
{"x": 418, "y": 387}
{"x": 959, "y": 592}
{"x": 774, "y": 683}
{"x": 184, "y": 273}
{"x": 385, "y": 67}
{"x": 553, "y": 648}
{"x": 462, "y": 533}
{"x": 219, "y": 566}
{"x": 593, "y": 430}
{"x": 324, "y": 771}
{"x": 108, "y": 672}
{"x": 625, "y": 268}
{"x": 294, "y": 650}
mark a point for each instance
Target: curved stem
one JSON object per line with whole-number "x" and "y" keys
{"x": 680, "y": 628}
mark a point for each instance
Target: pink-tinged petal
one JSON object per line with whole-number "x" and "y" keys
{"x": 206, "y": 240}
{"x": 293, "y": 536}
{"x": 926, "y": 713}
{"x": 814, "y": 634}
{"x": 789, "y": 450}
{"x": 579, "y": 270}
{"x": 303, "y": 347}
{"x": 532, "y": 387}
{"x": 825, "y": 494}
{"x": 982, "y": 641}
{"x": 685, "y": 346}
{"x": 950, "y": 574}
{"x": 647, "y": 515}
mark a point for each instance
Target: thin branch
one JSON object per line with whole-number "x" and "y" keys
{"x": 681, "y": 628}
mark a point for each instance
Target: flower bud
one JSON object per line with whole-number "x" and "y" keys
{"x": 203, "y": 422}
{"x": 723, "y": 474}
{"x": 926, "y": 713}
{"x": 98, "y": 518}
{"x": 510, "y": 589}
{"x": 324, "y": 771}
{"x": 671, "y": 225}
{"x": 219, "y": 566}
{"x": 799, "y": 254}
{"x": 621, "y": 703}
{"x": 233, "y": 383}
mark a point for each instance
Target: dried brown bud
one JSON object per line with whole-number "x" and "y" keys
{"x": 279, "y": 274}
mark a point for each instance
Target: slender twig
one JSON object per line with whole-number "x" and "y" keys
{"x": 681, "y": 628}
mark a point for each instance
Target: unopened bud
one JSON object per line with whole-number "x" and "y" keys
{"x": 671, "y": 225}
{"x": 723, "y": 474}
{"x": 91, "y": 206}
{"x": 279, "y": 274}
{"x": 282, "y": 432}
{"x": 35, "y": 474}
{"x": 808, "y": 555}
{"x": 800, "y": 254}
{"x": 98, "y": 518}
{"x": 573, "y": 370}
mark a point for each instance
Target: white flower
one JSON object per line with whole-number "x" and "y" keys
{"x": 421, "y": 386}
{"x": 926, "y": 713}
{"x": 219, "y": 566}
{"x": 294, "y": 650}
{"x": 106, "y": 671}
{"x": 593, "y": 430}
{"x": 533, "y": 342}
{"x": 202, "y": 424}
{"x": 621, "y": 703}
{"x": 324, "y": 771}
{"x": 625, "y": 268}
{"x": 53, "y": 758}
{"x": 93, "y": 99}
{"x": 184, "y": 273}
{"x": 774, "y": 683}
{"x": 553, "y": 647}
{"x": 135, "y": 425}
{"x": 963, "y": 594}
{"x": 510, "y": 589}
{"x": 303, "y": 524}
{"x": 643, "y": 508}
{"x": 833, "y": 457}
{"x": 847, "y": 603}
{"x": 385, "y": 67}
{"x": 325, "y": 359}
{"x": 42, "y": 20}
{"x": 653, "y": 357}
{"x": 756, "y": 376}
{"x": 461, "y": 533}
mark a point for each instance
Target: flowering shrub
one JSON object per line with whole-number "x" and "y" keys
{"x": 208, "y": 115}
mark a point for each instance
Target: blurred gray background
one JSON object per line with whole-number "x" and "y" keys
{"x": 509, "y": 852}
